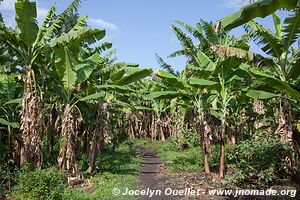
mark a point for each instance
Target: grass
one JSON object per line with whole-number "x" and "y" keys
{"x": 118, "y": 169}
{"x": 190, "y": 159}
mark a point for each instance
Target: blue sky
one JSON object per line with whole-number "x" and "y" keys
{"x": 140, "y": 28}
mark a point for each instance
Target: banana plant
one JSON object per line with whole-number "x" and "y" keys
{"x": 185, "y": 95}
{"x": 113, "y": 86}
{"x": 223, "y": 84}
{"x": 9, "y": 123}
{"x": 70, "y": 72}
{"x": 66, "y": 84}
{"x": 203, "y": 34}
{"x": 29, "y": 44}
{"x": 282, "y": 74}
{"x": 209, "y": 43}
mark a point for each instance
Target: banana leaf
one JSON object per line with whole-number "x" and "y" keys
{"x": 260, "y": 8}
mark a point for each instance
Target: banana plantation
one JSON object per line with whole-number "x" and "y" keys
{"x": 76, "y": 123}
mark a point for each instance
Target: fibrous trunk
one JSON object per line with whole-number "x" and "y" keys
{"x": 161, "y": 132}
{"x": 99, "y": 133}
{"x": 205, "y": 131}
{"x": 67, "y": 157}
{"x": 222, "y": 152}
{"x": 30, "y": 125}
{"x": 153, "y": 127}
{"x": 285, "y": 128}
{"x": 206, "y": 146}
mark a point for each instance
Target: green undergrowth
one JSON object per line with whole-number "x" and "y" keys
{"x": 118, "y": 168}
{"x": 188, "y": 159}
{"x": 176, "y": 159}
{"x": 253, "y": 163}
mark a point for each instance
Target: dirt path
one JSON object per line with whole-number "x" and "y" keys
{"x": 152, "y": 176}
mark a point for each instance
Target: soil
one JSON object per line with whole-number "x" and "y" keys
{"x": 153, "y": 175}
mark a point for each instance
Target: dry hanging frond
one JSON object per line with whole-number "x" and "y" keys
{"x": 31, "y": 126}
{"x": 258, "y": 107}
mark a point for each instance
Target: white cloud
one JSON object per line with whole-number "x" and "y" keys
{"x": 234, "y": 3}
{"x": 103, "y": 24}
{"x": 7, "y": 5}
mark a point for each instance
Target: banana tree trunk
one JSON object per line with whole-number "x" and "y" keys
{"x": 153, "y": 127}
{"x": 98, "y": 137}
{"x": 130, "y": 119}
{"x": 243, "y": 125}
{"x": 30, "y": 124}
{"x": 162, "y": 135}
{"x": 285, "y": 130}
{"x": 67, "y": 158}
{"x": 285, "y": 127}
{"x": 204, "y": 130}
{"x": 222, "y": 150}
{"x": 161, "y": 132}
{"x": 169, "y": 125}
{"x": 233, "y": 140}
{"x": 206, "y": 145}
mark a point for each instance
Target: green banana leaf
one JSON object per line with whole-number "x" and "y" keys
{"x": 7, "y": 123}
{"x": 7, "y": 85}
{"x": 118, "y": 88}
{"x": 174, "y": 81}
{"x": 14, "y": 101}
{"x": 259, "y": 94}
{"x": 202, "y": 82}
{"x": 94, "y": 96}
{"x": 70, "y": 76}
{"x": 138, "y": 74}
{"x": 118, "y": 75}
{"x": 26, "y": 21}
{"x": 62, "y": 18}
{"x": 85, "y": 68}
{"x": 84, "y": 33}
{"x": 205, "y": 62}
{"x": 292, "y": 29}
{"x": 163, "y": 95}
{"x": 275, "y": 83}
{"x": 260, "y": 8}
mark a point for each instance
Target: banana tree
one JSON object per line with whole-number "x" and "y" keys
{"x": 224, "y": 74}
{"x": 112, "y": 87}
{"x": 71, "y": 70}
{"x": 9, "y": 122}
{"x": 224, "y": 82}
{"x": 282, "y": 74}
{"x": 204, "y": 35}
{"x": 29, "y": 42}
{"x": 186, "y": 95}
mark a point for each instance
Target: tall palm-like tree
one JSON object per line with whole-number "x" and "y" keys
{"x": 283, "y": 69}
{"x": 200, "y": 64}
{"x": 111, "y": 89}
{"x": 29, "y": 43}
{"x": 281, "y": 75}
